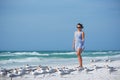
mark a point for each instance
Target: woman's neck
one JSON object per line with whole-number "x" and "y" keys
{"x": 79, "y": 30}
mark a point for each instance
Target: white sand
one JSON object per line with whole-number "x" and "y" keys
{"x": 101, "y": 72}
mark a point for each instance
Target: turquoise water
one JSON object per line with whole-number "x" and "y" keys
{"x": 55, "y": 57}
{"x": 54, "y": 54}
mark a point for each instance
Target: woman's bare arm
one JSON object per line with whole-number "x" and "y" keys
{"x": 83, "y": 36}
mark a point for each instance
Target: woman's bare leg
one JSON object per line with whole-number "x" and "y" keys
{"x": 79, "y": 57}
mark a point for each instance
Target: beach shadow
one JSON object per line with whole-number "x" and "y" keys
{"x": 99, "y": 68}
{"x": 112, "y": 70}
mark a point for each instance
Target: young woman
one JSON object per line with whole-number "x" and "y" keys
{"x": 78, "y": 42}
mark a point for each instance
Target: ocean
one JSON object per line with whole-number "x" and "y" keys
{"x": 20, "y": 58}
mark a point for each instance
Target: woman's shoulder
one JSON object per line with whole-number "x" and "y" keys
{"x": 82, "y": 33}
{"x": 79, "y": 32}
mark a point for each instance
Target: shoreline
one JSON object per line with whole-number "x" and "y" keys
{"x": 54, "y": 62}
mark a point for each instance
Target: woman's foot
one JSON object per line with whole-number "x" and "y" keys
{"x": 80, "y": 68}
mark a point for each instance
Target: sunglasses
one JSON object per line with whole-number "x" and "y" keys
{"x": 78, "y": 27}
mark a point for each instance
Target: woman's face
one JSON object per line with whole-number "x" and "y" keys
{"x": 79, "y": 27}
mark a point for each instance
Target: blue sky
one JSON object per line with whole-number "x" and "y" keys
{"x": 50, "y": 24}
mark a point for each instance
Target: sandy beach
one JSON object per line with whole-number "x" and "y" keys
{"x": 51, "y": 39}
{"x": 94, "y": 70}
